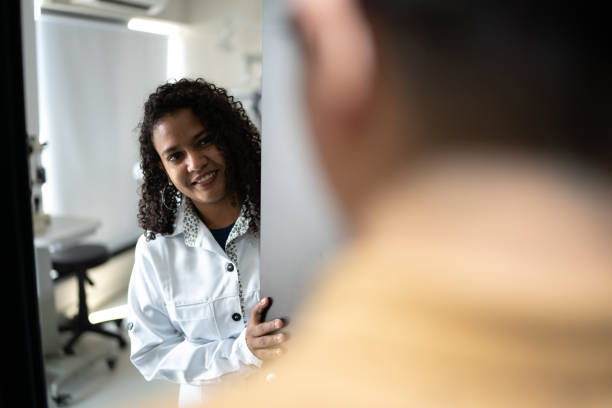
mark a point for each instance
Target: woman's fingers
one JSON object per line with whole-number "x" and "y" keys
{"x": 267, "y": 327}
{"x": 259, "y": 338}
{"x": 258, "y": 311}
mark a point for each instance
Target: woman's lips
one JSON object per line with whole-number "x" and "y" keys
{"x": 206, "y": 179}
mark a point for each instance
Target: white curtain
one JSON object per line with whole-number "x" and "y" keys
{"x": 93, "y": 80}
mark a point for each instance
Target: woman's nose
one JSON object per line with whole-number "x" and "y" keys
{"x": 195, "y": 161}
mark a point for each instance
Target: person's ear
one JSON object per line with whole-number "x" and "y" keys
{"x": 340, "y": 51}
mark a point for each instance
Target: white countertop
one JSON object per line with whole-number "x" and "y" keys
{"x": 63, "y": 230}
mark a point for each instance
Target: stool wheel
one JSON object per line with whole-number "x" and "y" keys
{"x": 111, "y": 363}
{"x": 62, "y": 399}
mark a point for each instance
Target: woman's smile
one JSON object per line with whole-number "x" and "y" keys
{"x": 206, "y": 179}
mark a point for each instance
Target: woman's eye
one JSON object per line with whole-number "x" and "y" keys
{"x": 172, "y": 157}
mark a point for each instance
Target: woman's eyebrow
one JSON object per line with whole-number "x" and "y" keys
{"x": 173, "y": 148}
{"x": 197, "y": 135}
{"x": 169, "y": 150}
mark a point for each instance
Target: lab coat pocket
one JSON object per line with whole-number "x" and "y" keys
{"x": 197, "y": 321}
{"x": 228, "y": 315}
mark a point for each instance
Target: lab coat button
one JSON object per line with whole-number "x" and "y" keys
{"x": 130, "y": 326}
{"x": 229, "y": 267}
{"x": 236, "y": 317}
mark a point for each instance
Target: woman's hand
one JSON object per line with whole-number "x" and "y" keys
{"x": 260, "y": 337}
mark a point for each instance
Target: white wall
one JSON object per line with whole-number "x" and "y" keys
{"x": 218, "y": 36}
{"x": 220, "y": 41}
{"x": 300, "y": 223}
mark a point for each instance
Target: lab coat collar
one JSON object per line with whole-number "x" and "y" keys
{"x": 196, "y": 234}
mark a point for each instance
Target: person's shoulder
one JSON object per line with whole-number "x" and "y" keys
{"x": 152, "y": 254}
{"x": 160, "y": 244}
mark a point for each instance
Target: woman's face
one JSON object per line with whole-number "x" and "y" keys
{"x": 194, "y": 165}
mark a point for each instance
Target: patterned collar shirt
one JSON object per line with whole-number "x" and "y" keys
{"x": 189, "y": 302}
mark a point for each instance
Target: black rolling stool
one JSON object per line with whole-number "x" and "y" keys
{"x": 77, "y": 260}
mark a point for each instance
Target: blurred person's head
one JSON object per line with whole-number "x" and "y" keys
{"x": 466, "y": 141}
{"x": 393, "y": 83}
{"x": 220, "y": 123}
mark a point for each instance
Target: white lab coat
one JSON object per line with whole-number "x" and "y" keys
{"x": 189, "y": 302}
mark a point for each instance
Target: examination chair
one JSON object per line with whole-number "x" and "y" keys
{"x": 76, "y": 261}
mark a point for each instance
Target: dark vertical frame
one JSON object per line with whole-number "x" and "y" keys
{"x": 22, "y": 382}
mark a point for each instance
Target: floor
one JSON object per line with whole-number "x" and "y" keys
{"x": 94, "y": 385}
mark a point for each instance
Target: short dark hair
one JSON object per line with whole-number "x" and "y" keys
{"x": 230, "y": 130}
{"x": 538, "y": 74}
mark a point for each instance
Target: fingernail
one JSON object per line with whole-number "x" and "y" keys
{"x": 262, "y": 301}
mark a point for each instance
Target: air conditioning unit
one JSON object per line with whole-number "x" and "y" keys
{"x": 115, "y": 9}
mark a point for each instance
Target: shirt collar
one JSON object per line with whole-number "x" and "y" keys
{"x": 189, "y": 222}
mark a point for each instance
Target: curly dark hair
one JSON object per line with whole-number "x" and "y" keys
{"x": 230, "y": 130}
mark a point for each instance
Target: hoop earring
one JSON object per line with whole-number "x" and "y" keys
{"x": 163, "y": 194}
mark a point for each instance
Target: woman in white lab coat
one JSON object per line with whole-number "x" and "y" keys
{"x": 195, "y": 313}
